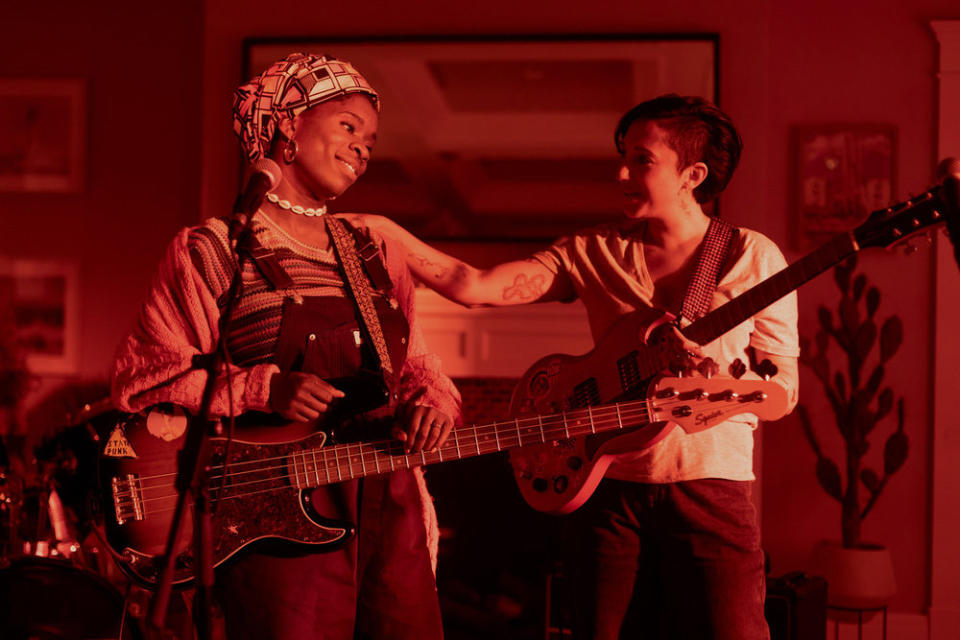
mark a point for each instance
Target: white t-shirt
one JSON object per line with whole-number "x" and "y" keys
{"x": 608, "y": 273}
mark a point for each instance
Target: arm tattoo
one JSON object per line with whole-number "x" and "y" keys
{"x": 425, "y": 264}
{"x": 525, "y": 288}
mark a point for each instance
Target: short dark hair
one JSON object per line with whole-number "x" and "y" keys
{"x": 698, "y": 131}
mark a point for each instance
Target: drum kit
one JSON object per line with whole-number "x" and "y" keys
{"x": 57, "y": 579}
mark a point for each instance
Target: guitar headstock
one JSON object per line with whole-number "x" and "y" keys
{"x": 897, "y": 223}
{"x": 697, "y": 403}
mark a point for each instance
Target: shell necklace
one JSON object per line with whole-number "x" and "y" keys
{"x": 310, "y": 212}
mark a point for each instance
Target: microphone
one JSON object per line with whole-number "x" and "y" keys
{"x": 948, "y": 172}
{"x": 264, "y": 177}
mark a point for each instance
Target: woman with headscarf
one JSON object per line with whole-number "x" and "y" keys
{"x": 292, "y": 337}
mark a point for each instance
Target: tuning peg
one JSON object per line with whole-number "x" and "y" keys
{"x": 708, "y": 367}
{"x": 767, "y": 369}
{"x": 737, "y": 368}
{"x": 682, "y": 368}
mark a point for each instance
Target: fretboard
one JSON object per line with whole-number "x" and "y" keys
{"x": 722, "y": 319}
{"x": 325, "y": 465}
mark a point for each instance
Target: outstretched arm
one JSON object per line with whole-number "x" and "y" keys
{"x": 509, "y": 283}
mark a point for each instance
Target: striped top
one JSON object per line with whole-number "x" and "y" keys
{"x": 180, "y": 320}
{"x": 256, "y": 323}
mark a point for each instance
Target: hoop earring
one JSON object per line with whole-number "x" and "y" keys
{"x": 290, "y": 151}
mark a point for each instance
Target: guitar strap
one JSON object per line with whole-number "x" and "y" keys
{"x": 359, "y": 287}
{"x": 713, "y": 254}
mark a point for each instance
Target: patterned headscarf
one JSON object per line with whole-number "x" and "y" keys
{"x": 286, "y": 89}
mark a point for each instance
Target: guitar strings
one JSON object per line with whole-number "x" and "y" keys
{"x": 484, "y": 430}
{"x": 357, "y": 461}
{"x": 284, "y": 485}
{"x": 481, "y": 431}
{"x": 554, "y": 425}
{"x": 551, "y": 430}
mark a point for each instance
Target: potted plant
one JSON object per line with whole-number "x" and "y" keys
{"x": 859, "y": 574}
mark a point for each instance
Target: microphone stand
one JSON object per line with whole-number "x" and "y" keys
{"x": 194, "y": 460}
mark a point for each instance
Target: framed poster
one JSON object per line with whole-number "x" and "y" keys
{"x": 42, "y": 300}
{"x": 841, "y": 173}
{"x": 503, "y": 138}
{"x": 42, "y": 134}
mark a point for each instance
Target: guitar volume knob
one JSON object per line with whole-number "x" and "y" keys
{"x": 539, "y": 484}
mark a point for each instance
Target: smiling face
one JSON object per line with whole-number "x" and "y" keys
{"x": 652, "y": 183}
{"x": 334, "y": 141}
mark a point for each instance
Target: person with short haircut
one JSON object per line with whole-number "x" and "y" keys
{"x": 670, "y": 542}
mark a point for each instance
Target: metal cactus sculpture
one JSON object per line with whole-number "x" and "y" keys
{"x": 859, "y": 401}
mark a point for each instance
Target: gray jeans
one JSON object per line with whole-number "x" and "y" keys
{"x": 679, "y": 560}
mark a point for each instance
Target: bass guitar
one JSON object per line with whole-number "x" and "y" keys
{"x": 266, "y": 491}
{"x": 558, "y": 477}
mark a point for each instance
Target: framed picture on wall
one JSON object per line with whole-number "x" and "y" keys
{"x": 40, "y": 301}
{"x": 42, "y": 134}
{"x": 503, "y": 138}
{"x": 842, "y": 172}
